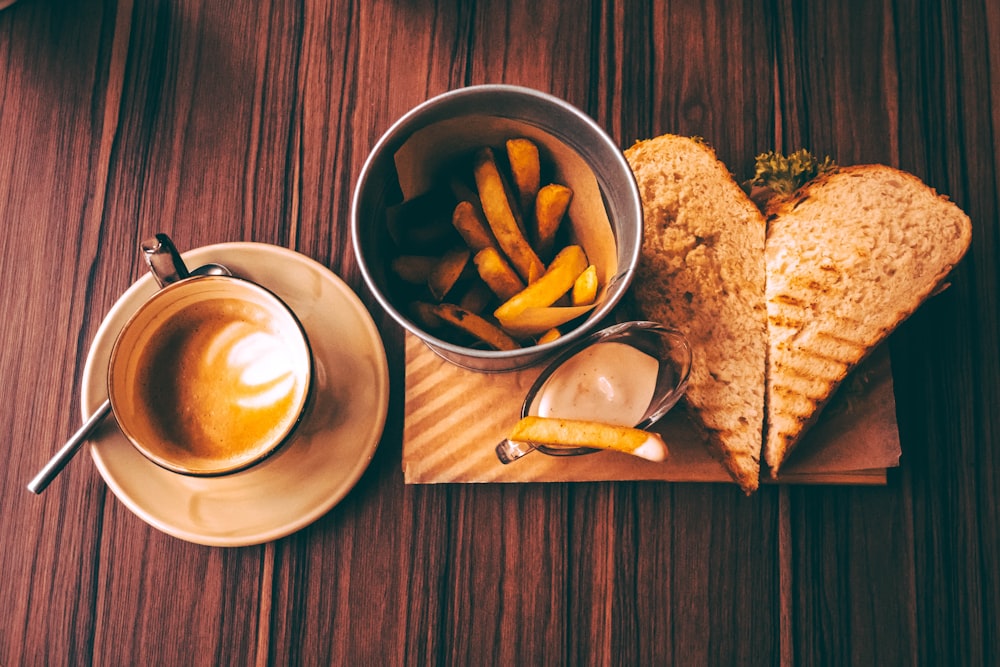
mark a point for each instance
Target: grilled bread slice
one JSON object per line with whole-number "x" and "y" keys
{"x": 701, "y": 271}
{"x": 849, "y": 257}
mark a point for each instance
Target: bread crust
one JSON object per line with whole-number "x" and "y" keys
{"x": 701, "y": 271}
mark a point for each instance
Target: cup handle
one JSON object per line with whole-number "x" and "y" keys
{"x": 163, "y": 259}
{"x": 511, "y": 450}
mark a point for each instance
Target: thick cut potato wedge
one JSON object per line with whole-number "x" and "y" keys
{"x": 413, "y": 269}
{"x": 525, "y": 167}
{"x": 421, "y": 225}
{"x": 422, "y": 313}
{"x": 476, "y": 297}
{"x": 536, "y": 321}
{"x": 585, "y": 287}
{"x": 501, "y": 218}
{"x": 476, "y": 326}
{"x": 559, "y": 279}
{"x": 473, "y": 229}
{"x": 550, "y": 208}
{"x": 497, "y": 273}
{"x": 549, "y": 336}
{"x": 580, "y": 433}
{"x": 461, "y": 191}
{"x": 447, "y": 272}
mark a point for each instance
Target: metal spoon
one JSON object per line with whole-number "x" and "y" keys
{"x": 72, "y": 446}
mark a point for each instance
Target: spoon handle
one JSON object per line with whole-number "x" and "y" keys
{"x": 164, "y": 260}
{"x": 62, "y": 457}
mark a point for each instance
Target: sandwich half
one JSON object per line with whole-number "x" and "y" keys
{"x": 849, "y": 256}
{"x": 702, "y": 271}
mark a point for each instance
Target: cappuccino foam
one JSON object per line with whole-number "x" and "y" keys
{"x": 220, "y": 382}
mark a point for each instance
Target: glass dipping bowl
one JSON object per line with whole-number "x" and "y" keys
{"x": 668, "y": 347}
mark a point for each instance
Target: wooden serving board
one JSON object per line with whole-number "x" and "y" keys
{"x": 454, "y": 418}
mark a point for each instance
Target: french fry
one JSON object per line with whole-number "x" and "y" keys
{"x": 496, "y": 208}
{"x": 536, "y": 321}
{"x": 580, "y": 433}
{"x": 585, "y": 287}
{"x": 476, "y": 326}
{"x": 476, "y": 297}
{"x": 474, "y": 230}
{"x": 525, "y": 167}
{"x": 413, "y": 269}
{"x": 447, "y": 272}
{"x": 550, "y": 208}
{"x": 463, "y": 192}
{"x": 556, "y": 281}
{"x": 535, "y": 273}
{"x": 497, "y": 273}
{"x": 549, "y": 336}
{"x": 423, "y": 314}
{"x": 421, "y": 225}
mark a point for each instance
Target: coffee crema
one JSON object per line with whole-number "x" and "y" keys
{"x": 221, "y": 382}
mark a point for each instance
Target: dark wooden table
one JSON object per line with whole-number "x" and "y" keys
{"x": 224, "y": 121}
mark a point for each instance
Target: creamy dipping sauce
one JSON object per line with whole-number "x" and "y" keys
{"x": 607, "y": 382}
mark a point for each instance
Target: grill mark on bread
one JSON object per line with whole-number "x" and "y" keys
{"x": 801, "y": 367}
{"x": 849, "y": 258}
{"x": 812, "y": 284}
{"x": 794, "y": 396}
{"x": 840, "y": 348}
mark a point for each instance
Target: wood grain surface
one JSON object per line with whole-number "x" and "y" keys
{"x": 224, "y": 121}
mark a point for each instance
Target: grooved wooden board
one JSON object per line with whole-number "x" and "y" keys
{"x": 454, "y": 418}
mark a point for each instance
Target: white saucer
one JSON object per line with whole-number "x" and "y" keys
{"x": 312, "y": 472}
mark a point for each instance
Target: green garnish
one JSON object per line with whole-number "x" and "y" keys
{"x": 785, "y": 174}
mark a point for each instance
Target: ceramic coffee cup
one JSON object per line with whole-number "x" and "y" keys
{"x": 212, "y": 374}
